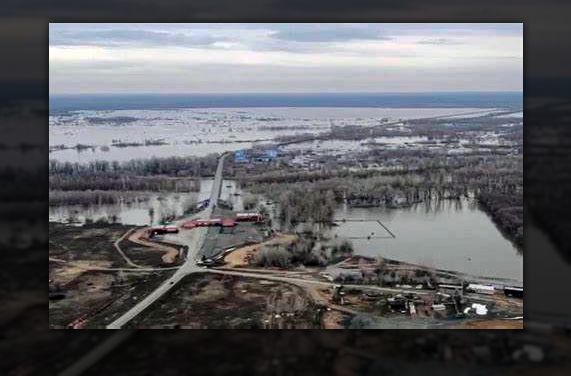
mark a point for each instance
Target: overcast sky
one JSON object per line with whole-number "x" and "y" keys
{"x": 233, "y": 58}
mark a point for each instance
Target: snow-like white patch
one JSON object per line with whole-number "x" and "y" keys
{"x": 480, "y": 308}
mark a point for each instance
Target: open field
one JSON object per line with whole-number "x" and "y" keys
{"x": 90, "y": 282}
{"x": 205, "y": 301}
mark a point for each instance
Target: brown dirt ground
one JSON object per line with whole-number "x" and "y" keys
{"x": 332, "y": 320}
{"x": 140, "y": 237}
{"x": 240, "y": 256}
{"x": 66, "y": 272}
{"x": 230, "y": 302}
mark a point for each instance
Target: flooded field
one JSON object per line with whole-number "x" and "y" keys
{"x": 198, "y": 132}
{"x": 150, "y": 209}
{"x": 476, "y": 142}
{"x": 518, "y": 115}
{"x": 451, "y": 235}
{"x": 350, "y": 145}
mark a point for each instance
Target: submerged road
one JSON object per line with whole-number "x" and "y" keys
{"x": 195, "y": 242}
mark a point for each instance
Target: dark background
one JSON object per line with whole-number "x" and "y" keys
{"x": 29, "y": 348}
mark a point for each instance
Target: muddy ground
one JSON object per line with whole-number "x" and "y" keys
{"x": 219, "y": 238}
{"x": 99, "y": 297}
{"x": 153, "y": 252}
{"x": 90, "y": 242}
{"x": 211, "y": 301}
{"x": 127, "y": 296}
{"x": 242, "y": 255}
{"x": 80, "y": 288}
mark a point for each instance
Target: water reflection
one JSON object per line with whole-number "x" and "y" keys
{"x": 150, "y": 209}
{"x": 447, "y": 234}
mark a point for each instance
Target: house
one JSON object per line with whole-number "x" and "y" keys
{"x": 159, "y": 230}
{"x": 264, "y": 155}
{"x": 240, "y": 156}
{"x": 450, "y": 289}
{"x": 249, "y": 217}
{"x": 481, "y": 289}
{"x": 271, "y": 154}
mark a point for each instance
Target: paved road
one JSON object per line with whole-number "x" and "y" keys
{"x": 195, "y": 239}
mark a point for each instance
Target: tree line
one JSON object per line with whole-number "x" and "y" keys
{"x": 171, "y": 166}
{"x": 507, "y": 211}
{"x": 115, "y": 182}
{"x": 90, "y": 197}
{"x": 298, "y": 205}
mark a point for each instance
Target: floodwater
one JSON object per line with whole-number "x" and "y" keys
{"x": 450, "y": 235}
{"x": 405, "y": 142}
{"x": 352, "y": 145}
{"x": 140, "y": 213}
{"x": 198, "y": 132}
{"x": 518, "y": 115}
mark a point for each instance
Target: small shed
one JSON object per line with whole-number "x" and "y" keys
{"x": 481, "y": 289}
{"x": 249, "y": 217}
{"x": 512, "y": 291}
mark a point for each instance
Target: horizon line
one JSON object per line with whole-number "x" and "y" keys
{"x": 289, "y": 93}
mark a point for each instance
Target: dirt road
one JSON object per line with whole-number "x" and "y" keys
{"x": 140, "y": 237}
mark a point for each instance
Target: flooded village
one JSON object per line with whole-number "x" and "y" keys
{"x": 339, "y": 221}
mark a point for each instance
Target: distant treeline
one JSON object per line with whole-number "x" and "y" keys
{"x": 430, "y": 128}
{"x": 172, "y": 166}
{"x": 115, "y": 182}
{"x": 114, "y": 120}
{"x": 150, "y": 142}
{"x": 507, "y": 212}
{"x": 388, "y": 162}
{"x": 89, "y": 197}
{"x": 440, "y": 179}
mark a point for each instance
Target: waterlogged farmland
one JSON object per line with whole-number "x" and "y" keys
{"x": 121, "y": 135}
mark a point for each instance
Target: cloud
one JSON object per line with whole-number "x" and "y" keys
{"x": 284, "y": 57}
{"x": 128, "y": 37}
{"x": 440, "y": 41}
{"x": 328, "y": 33}
{"x": 231, "y": 77}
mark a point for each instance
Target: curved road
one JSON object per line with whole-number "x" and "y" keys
{"x": 194, "y": 245}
